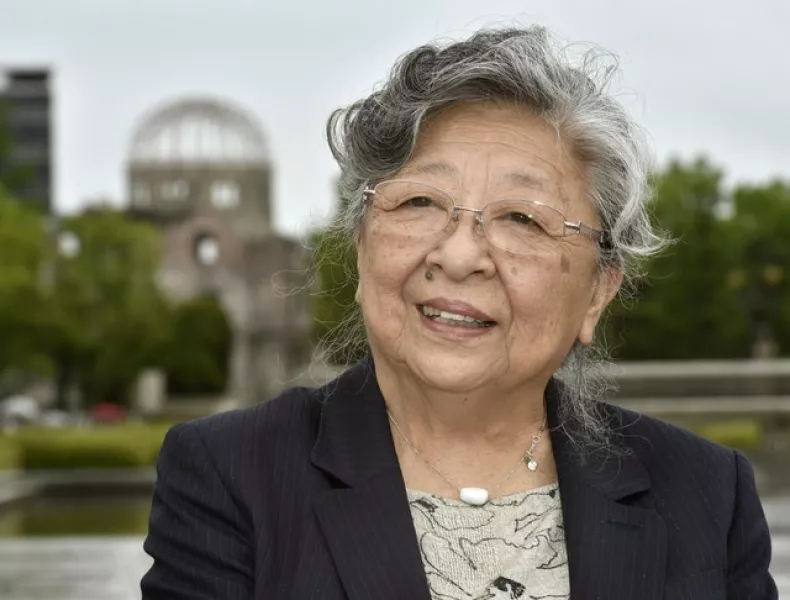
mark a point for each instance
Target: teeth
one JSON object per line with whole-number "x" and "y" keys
{"x": 451, "y": 317}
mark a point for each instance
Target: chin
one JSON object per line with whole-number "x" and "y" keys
{"x": 454, "y": 374}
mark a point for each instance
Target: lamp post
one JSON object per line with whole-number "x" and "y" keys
{"x": 67, "y": 247}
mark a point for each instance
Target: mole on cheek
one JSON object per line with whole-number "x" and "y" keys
{"x": 513, "y": 270}
{"x": 565, "y": 264}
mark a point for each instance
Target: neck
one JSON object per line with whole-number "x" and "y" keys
{"x": 496, "y": 415}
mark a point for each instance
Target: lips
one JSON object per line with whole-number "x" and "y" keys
{"x": 454, "y": 312}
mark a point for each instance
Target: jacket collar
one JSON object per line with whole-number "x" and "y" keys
{"x": 354, "y": 441}
{"x": 615, "y": 472}
{"x": 366, "y": 520}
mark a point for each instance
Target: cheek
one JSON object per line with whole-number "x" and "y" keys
{"x": 387, "y": 263}
{"x": 532, "y": 289}
{"x": 544, "y": 292}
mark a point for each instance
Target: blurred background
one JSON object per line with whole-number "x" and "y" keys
{"x": 164, "y": 183}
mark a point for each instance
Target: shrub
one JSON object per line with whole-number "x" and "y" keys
{"x": 102, "y": 447}
{"x": 9, "y": 453}
{"x": 739, "y": 434}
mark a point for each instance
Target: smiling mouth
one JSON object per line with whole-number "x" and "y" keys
{"x": 451, "y": 318}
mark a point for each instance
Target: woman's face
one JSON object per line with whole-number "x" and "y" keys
{"x": 535, "y": 306}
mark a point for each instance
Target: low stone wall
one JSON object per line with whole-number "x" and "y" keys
{"x": 704, "y": 390}
{"x": 18, "y": 487}
{"x": 24, "y": 486}
{"x": 695, "y": 378}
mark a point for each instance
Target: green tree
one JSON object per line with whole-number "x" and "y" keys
{"x": 759, "y": 234}
{"x": 23, "y": 248}
{"x": 198, "y": 355}
{"x": 686, "y": 307}
{"x": 109, "y": 319}
{"x": 23, "y": 305}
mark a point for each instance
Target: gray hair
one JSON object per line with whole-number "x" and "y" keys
{"x": 374, "y": 137}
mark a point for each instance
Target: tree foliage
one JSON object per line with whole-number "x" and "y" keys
{"x": 709, "y": 294}
{"x": 336, "y": 314}
{"x": 109, "y": 318}
{"x": 760, "y": 235}
{"x": 23, "y": 305}
{"x": 92, "y": 316}
{"x": 197, "y": 358}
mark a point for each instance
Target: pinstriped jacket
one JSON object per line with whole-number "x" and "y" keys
{"x": 302, "y": 498}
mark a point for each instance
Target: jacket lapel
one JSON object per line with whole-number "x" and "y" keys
{"x": 366, "y": 519}
{"x": 617, "y": 543}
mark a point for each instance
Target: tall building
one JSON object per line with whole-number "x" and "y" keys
{"x": 201, "y": 171}
{"x": 26, "y": 132}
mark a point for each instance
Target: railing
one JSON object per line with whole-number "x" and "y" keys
{"x": 712, "y": 388}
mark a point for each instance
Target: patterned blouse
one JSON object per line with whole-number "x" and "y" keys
{"x": 511, "y": 548}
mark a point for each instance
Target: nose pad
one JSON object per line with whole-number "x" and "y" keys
{"x": 478, "y": 217}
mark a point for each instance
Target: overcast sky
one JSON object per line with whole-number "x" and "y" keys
{"x": 702, "y": 75}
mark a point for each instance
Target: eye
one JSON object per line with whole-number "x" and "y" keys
{"x": 521, "y": 218}
{"x": 417, "y": 202}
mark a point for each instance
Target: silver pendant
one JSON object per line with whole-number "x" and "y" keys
{"x": 532, "y": 465}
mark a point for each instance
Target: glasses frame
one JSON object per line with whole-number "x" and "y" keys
{"x": 600, "y": 237}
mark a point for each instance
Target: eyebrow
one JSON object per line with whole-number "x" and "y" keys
{"x": 516, "y": 178}
{"x": 431, "y": 168}
{"x": 523, "y": 179}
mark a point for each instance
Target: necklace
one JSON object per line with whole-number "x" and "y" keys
{"x": 473, "y": 495}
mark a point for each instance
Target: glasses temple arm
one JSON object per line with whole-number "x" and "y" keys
{"x": 597, "y": 235}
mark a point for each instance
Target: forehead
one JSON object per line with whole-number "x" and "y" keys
{"x": 475, "y": 146}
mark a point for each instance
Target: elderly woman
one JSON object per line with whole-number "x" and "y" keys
{"x": 498, "y": 202}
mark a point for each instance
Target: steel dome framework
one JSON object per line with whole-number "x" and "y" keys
{"x": 199, "y": 131}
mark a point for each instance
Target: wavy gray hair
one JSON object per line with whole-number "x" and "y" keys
{"x": 374, "y": 137}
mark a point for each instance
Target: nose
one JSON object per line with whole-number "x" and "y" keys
{"x": 464, "y": 250}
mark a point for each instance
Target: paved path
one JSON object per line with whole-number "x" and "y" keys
{"x": 110, "y": 568}
{"x": 780, "y": 566}
{"x": 72, "y": 568}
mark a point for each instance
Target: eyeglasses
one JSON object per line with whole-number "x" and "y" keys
{"x": 518, "y": 226}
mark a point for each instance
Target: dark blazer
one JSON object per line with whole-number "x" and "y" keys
{"x": 302, "y": 498}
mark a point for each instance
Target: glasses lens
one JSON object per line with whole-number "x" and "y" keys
{"x": 412, "y": 208}
{"x": 522, "y": 226}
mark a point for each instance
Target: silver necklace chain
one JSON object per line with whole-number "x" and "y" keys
{"x": 528, "y": 457}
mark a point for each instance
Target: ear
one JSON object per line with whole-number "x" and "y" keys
{"x": 360, "y": 251}
{"x": 606, "y": 288}
{"x": 358, "y": 293}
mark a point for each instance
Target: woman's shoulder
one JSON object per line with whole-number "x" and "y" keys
{"x": 295, "y": 409}
{"x": 291, "y": 418}
{"x": 657, "y": 443}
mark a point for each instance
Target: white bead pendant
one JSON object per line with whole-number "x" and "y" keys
{"x": 474, "y": 496}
